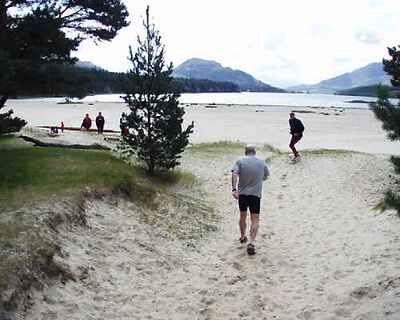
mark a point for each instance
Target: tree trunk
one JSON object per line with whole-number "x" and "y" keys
{"x": 3, "y": 41}
{"x": 3, "y": 100}
{"x": 40, "y": 143}
{"x": 3, "y": 22}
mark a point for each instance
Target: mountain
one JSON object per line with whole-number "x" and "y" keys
{"x": 211, "y": 70}
{"x": 87, "y": 65}
{"x": 369, "y": 75}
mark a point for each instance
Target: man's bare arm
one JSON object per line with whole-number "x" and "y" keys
{"x": 235, "y": 178}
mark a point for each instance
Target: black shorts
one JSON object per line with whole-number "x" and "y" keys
{"x": 250, "y": 202}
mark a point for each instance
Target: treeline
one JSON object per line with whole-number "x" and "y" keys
{"x": 53, "y": 80}
{"x": 199, "y": 85}
{"x": 369, "y": 91}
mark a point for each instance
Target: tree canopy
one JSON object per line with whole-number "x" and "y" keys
{"x": 39, "y": 28}
{"x": 33, "y": 32}
{"x": 153, "y": 128}
{"x": 389, "y": 114}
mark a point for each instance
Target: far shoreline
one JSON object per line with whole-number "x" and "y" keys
{"x": 191, "y": 104}
{"x": 251, "y": 99}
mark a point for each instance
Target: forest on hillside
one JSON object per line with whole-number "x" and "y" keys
{"x": 53, "y": 80}
{"x": 369, "y": 91}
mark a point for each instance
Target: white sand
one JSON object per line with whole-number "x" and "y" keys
{"x": 323, "y": 253}
{"x": 352, "y": 129}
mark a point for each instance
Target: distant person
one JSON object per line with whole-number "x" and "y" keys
{"x": 62, "y": 127}
{"x": 296, "y": 130}
{"x": 100, "y": 123}
{"x": 248, "y": 175}
{"x": 87, "y": 122}
{"x": 53, "y": 130}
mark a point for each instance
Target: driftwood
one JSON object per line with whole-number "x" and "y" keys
{"x": 78, "y": 129}
{"x": 39, "y": 143}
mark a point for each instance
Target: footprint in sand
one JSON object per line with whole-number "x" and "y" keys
{"x": 236, "y": 279}
{"x": 230, "y": 294}
{"x": 207, "y": 301}
{"x": 237, "y": 266}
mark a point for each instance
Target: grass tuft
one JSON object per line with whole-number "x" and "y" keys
{"x": 213, "y": 147}
{"x": 326, "y": 152}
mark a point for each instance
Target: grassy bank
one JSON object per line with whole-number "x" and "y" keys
{"x": 42, "y": 189}
{"x": 28, "y": 173}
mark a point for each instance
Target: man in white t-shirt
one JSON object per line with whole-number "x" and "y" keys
{"x": 248, "y": 175}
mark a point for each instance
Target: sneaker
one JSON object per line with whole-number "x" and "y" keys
{"x": 251, "y": 249}
{"x": 244, "y": 240}
{"x": 296, "y": 158}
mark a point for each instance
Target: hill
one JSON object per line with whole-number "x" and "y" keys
{"x": 371, "y": 74}
{"x": 205, "y": 69}
{"x": 87, "y": 65}
{"x": 79, "y": 80}
{"x": 367, "y": 91}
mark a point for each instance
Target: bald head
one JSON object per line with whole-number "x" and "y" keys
{"x": 250, "y": 150}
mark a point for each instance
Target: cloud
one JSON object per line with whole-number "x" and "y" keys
{"x": 368, "y": 37}
{"x": 342, "y": 60}
{"x": 279, "y": 42}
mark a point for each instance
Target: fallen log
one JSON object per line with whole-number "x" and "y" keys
{"x": 78, "y": 129}
{"x": 37, "y": 142}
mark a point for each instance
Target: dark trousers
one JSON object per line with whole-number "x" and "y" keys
{"x": 100, "y": 128}
{"x": 293, "y": 141}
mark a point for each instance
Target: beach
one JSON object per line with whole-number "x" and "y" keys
{"x": 326, "y": 127}
{"x": 323, "y": 253}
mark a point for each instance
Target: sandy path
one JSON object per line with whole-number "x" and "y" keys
{"x": 322, "y": 253}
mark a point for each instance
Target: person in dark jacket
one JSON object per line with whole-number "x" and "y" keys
{"x": 296, "y": 130}
{"x": 100, "y": 123}
{"x": 87, "y": 122}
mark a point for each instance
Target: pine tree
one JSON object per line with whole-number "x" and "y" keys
{"x": 389, "y": 114}
{"x": 153, "y": 128}
{"x": 36, "y": 32}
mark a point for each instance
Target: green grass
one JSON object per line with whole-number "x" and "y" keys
{"x": 276, "y": 153}
{"x": 327, "y": 152}
{"x": 183, "y": 216}
{"x": 11, "y": 142}
{"x": 23, "y": 246}
{"x": 272, "y": 152}
{"x": 167, "y": 178}
{"x": 221, "y": 146}
{"x": 40, "y": 172}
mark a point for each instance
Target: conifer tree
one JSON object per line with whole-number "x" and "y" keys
{"x": 36, "y": 32}
{"x": 153, "y": 128}
{"x": 389, "y": 114}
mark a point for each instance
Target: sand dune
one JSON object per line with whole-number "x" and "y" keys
{"x": 322, "y": 252}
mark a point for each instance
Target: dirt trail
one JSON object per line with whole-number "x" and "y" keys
{"x": 322, "y": 252}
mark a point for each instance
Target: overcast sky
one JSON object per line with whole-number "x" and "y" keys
{"x": 281, "y": 42}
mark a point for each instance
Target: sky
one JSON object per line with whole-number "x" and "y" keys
{"x": 282, "y": 43}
